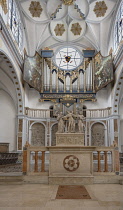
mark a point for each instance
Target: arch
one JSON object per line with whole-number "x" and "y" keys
{"x": 105, "y": 134}
{"x": 8, "y": 114}
{"x": 54, "y": 129}
{"x": 5, "y": 85}
{"x": 98, "y": 134}
{"x": 11, "y": 73}
{"x": 117, "y": 91}
{"x": 37, "y": 135}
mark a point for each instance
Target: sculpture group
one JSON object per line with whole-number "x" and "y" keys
{"x": 67, "y": 123}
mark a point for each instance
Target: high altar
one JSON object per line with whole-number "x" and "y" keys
{"x": 70, "y": 161}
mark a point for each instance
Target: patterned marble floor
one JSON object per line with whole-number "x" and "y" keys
{"x": 42, "y": 197}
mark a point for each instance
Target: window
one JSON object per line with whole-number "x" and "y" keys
{"x": 15, "y": 23}
{"x": 118, "y": 30}
{"x": 68, "y": 58}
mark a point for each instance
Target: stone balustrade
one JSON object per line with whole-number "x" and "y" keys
{"x": 47, "y": 113}
{"x": 38, "y": 113}
{"x": 105, "y": 159}
{"x": 98, "y": 113}
{"x": 34, "y": 159}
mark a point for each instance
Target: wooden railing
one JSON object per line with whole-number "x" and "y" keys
{"x": 47, "y": 113}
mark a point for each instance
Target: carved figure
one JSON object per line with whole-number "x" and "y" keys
{"x": 114, "y": 144}
{"x": 61, "y": 125}
{"x": 71, "y": 122}
{"x": 80, "y": 123}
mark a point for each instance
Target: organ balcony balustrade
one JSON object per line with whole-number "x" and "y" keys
{"x": 46, "y": 113}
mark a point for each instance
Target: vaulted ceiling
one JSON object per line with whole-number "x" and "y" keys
{"x": 80, "y": 23}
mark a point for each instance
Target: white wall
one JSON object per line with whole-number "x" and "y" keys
{"x": 103, "y": 99}
{"x": 33, "y": 101}
{"x": 8, "y": 120}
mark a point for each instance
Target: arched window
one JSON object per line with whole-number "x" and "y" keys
{"x": 118, "y": 30}
{"x": 15, "y": 23}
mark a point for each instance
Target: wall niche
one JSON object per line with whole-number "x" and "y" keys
{"x": 38, "y": 135}
{"x": 98, "y": 134}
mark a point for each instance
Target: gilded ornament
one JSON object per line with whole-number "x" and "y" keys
{"x": 3, "y": 4}
{"x": 68, "y": 2}
{"x": 57, "y": 96}
{"x": 68, "y": 98}
{"x": 59, "y": 29}
{"x": 74, "y": 76}
{"x": 54, "y": 100}
{"x": 76, "y": 29}
{"x": 35, "y": 9}
{"x": 100, "y": 8}
{"x": 61, "y": 76}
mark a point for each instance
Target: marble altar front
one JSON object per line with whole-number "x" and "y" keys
{"x": 71, "y": 165}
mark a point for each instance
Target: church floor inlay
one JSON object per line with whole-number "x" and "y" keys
{"x": 72, "y": 192}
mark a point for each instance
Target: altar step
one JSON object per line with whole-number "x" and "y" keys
{"x": 19, "y": 178}
{"x": 36, "y": 179}
{"x": 75, "y": 180}
{"x": 39, "y": 179}
{"x": 11, "y": 179}
{"x": 108, "y": 179}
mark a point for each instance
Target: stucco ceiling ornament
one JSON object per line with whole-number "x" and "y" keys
{"x": 100, "y": 8}
{"x": 59, "y": 29}
{"x": 68, "y": 2}
{"x": 76, "y": 29}
{"x": 35, "y": 9}
{"x": 3, "y": 4}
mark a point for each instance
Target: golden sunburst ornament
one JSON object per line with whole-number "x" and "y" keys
{"x": 3, "y": 4}
{"x": 68, "y": 2}
{"x": 35, "y": 9}
{"x": 76, "y": 29}
{"x": 100, "y": 8}
{"x": 59, "y": 29}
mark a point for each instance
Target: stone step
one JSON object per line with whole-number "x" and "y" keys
{"x": 108, "y": 179}
{"x": 32, "y": 179}
{"x": 35, "y": 179}
{"x": 6, "y": 179}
